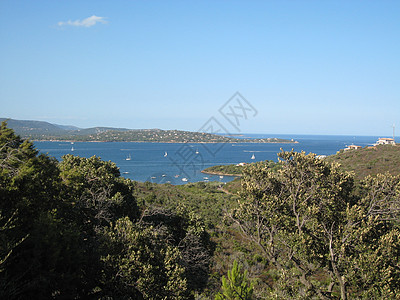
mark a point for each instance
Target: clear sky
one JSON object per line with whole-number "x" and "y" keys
{"x": 312, "y": 67}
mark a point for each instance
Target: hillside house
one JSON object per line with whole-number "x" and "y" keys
{"x": 385, "y": 141}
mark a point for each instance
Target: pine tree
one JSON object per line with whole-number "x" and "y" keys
{"x": 236, "y": 286}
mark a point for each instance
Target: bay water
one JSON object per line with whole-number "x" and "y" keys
{"x": 179, "y": 163}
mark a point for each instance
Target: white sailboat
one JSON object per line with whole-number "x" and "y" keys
{"x": 72, "y": 149}
{"x": 165, "y": 154}
{"x": 128, "y": 157}
{"x": 253, "y": 156}
{"x": 184, "y": 179}
{"x": 197, "y": 151}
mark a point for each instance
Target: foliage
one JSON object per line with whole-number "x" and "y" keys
{"x": 97, "y": 190}
{"x": 146, "y": 267}
{"x": 236, "y": 286}
{"x": 307, "y": 219}
{"x": 302, "y": 228}
{"x": 29, "y": 209}
{"x": 207, "y": 200}
{"x": 374, "y": 256}
{"x": 74, "y": 230}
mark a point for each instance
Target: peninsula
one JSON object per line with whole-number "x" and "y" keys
{"x": 237, "y": 169}
{"x": 44, "y": 131}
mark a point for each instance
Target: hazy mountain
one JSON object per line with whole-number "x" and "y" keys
{"x": 36, "y": 129}
{"x": 67, "y": 127}
{"x": 29, "y": 128}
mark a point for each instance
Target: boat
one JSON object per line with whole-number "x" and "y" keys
{"x": 221, "y": 176}
{"x": 197, "y": 151}
{"x": 206, "y": 178}
{"x": 176, "y": 176}
{"x": 253, "y": 156}
{"x": 184, "y": 179}
{"x": 125, "y": 172}
{"x": 163, "y": 175}
{"x": 165, "y": 154}
{"x": 72, "y": 149}
{"x": 128, "y": 157}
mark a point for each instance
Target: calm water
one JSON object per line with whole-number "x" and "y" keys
{"x": 165, "y": 162}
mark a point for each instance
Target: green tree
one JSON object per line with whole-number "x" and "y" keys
{"x": 289, "y": 213}
{"x": 73, "y": 229}
{"x": 236, "y": 286}
{"x": 186, "y": 230}
{"x": 141, "y": 264}
{"x": 307, "y": 218}
{"x": 34, "y": 238}
{"x": 97, "y": 190}
{"x": 373, "y": 264}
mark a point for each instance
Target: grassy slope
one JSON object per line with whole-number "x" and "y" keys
{"x": 369, "y": 161}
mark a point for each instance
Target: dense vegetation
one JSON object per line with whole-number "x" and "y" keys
{"x": 322, "y": 235}
{"x": 75, "y": 230}
{"x": 304, "y": 230}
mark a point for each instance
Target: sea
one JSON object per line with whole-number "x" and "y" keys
{"x": 180, "y": 163}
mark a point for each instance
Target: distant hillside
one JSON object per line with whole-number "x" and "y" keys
{"x": 27, "y": 128}
{"x": 370, "y": 160}
{"x": 44, "y": 131}
{"x": 67, "y": 127}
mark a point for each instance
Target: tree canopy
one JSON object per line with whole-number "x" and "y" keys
{"x": 76, "y": 229}
{"x": 73, "y": 229}
{"x": 323, "y": 236}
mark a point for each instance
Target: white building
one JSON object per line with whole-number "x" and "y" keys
{"x": 352, "y": 147}
{"x": 385, "y": 141}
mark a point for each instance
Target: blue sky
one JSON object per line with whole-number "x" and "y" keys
{"x": 312, "y": 67}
